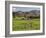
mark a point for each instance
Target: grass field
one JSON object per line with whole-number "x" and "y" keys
{"x": 23, "y": 25}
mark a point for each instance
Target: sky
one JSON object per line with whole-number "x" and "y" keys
{"x": 24, "y": 9}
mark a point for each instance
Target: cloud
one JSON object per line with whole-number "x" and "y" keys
{"x": 24, "y": 8}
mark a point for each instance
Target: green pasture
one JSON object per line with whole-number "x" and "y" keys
{"x": 23, "y": 25}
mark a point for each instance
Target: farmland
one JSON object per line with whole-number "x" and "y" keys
{"x": 23, "y": 25}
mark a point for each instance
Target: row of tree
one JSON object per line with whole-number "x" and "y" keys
{"x": 30, "y": 14}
